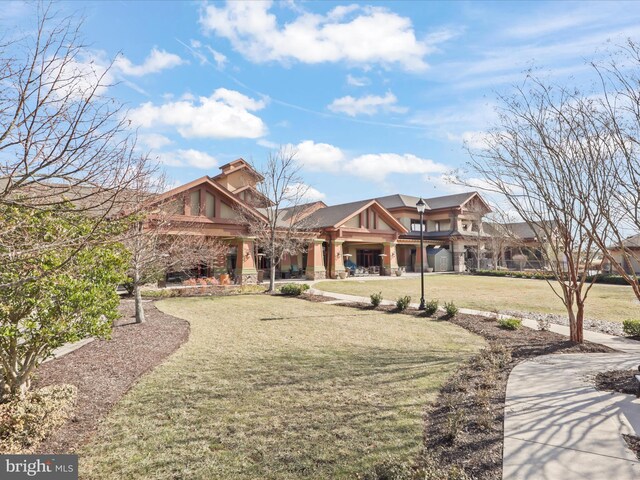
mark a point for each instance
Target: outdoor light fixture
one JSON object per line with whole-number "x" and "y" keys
{"x": 421, "y": 206}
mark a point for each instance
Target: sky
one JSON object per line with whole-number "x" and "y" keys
{"x": 375, "y": 97}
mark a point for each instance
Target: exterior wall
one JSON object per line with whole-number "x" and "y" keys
{"x": 352, "y": 222}
{"x": 246, "y": 272}
{"x": 337, "y": 260}
{"x": 457, "y": 255}
{"x": 390, "y": 261}
{"x": 382, "y": 225}
{"x": 315, "y": 261}
{"x": 226, "y": 211}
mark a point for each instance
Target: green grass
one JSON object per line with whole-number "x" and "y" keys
{"x": 608, "y": 302}
{"x": 279, "y": 388}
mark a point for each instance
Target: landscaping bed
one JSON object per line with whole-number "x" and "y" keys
{"x": 464, "y": 426}
{"x": 621, "y": 381}
{"x": 104, "y": 370}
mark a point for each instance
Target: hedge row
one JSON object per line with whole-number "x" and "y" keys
{"x": 600, "y": 278}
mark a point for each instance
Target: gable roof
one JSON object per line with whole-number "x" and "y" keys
{"x": 631, "y": 242}
{"x": 519, "y": 230}
{"x": 336, "y": 215}
{"x": 433, "y": 203}
{"x": 235, "y": 166}
{"x": 206, "y": 180}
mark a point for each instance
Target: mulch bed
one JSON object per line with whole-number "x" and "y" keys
{"x": 104, "y": 370}
{"x": 477, "y": 447}
{"x": 617, "y": 381}
{"x": 464, "y": 427}
{"x": 634, "y": 443}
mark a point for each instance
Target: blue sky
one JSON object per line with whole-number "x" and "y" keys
{"x": 377, "y": 97}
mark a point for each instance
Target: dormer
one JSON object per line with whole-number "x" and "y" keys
{"x": 237, "y": 175}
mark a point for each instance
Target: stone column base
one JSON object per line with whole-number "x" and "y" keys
{"x": 247, "y": 278}
{"x": 389, "y": 271}
{"x": 316, "y": 275}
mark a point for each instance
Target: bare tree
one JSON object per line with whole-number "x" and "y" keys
{"x": 499, "y": 234}
{"x": 283, "y": 228}
{"x": 158, "y": 242}
{"x": 535, "y": 158}
{"x": 615, "y": 158}
{"x": 63, "y": 143}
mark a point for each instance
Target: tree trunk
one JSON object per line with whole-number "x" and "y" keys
{"x": 138, "y": 297}
{"x": 138, "y": 301}
{"x": 576, "y": 324}
{"x": 272, "y": 277}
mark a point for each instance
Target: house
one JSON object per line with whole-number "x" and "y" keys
{"x": 627, "y": 254}
{"x": 378, "y": 234}
{"x": 514, "y": 246}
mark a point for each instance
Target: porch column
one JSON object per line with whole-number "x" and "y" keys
{"x": 246, "y": 272}
{"x": 421, "y": 257}
{"x": 337, "y": 258}
{"x": 457, "y": 254}
{"x": 315, "y": 261}
{"x": 390, "y": 261}
{"x": 285, "y": 265}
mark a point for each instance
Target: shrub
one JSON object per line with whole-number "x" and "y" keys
{"x": 211, "y": 281}
{"x": 403, "y": 302}
{"x": 493, "y": 357}
{"x": 190, "y": 282}
{"x": 26, "y": 422}
{"x": 450, "y": 309}
{"x": 431, "y": 307}
{"x": 510, "y": 323}
{"x": 631, "y": 328}
{"x": 376, "y": 299}
{"x": 455, "y": 424}
{"x": 294, "y": 289}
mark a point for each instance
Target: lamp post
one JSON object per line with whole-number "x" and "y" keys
{"x": 421, "y": 207}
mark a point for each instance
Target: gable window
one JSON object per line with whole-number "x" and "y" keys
{"x": 195, "y": 203}
{"x": 175, "y": 207}
{"x": 210, "y": 205}
{"x": 436, "y": 225}
{"x": 415, "y": 225}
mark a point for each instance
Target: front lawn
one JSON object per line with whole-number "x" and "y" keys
{"x": 272, "y": 387}
{"x": 605, "y": 302}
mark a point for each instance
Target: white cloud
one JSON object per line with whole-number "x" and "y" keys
{"x": 267, "y": 144}
{"x": 190, "y": 158}
{"x": 357, "y": 35}
{"x": 358, "y": 81}
{"x": 377, "y": 166}
{"x": 318, "y": 156}
{"x": 224, "y": 114}
{"x": 87, "y": 74}
{"x": 218, "y": 57}
{"x": 154, "y": 141}
{"x": 367, "y": 105}
{"x": 155, "y": 62}
{"x": 305, "y": 193}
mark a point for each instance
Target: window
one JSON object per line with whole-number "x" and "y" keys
{"x": 175, "y": 207}
{"x": 210, "y": 205}
{"x": 437, "y": 226}
{"x": 195, "y": 203}
{"x": 465, "y": 227}
{"x": 415, "y": 225}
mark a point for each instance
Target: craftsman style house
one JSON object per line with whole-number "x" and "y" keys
{"x": 378, "y": 235}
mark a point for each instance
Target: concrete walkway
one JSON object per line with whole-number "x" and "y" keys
{"x": 557, "y": 425}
